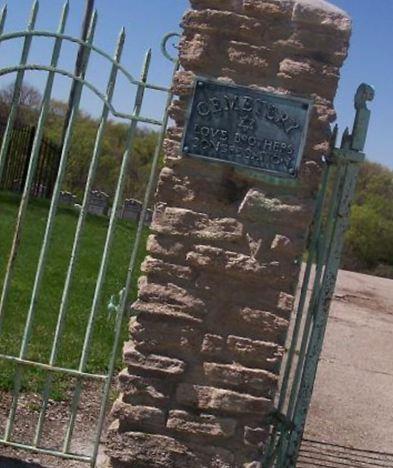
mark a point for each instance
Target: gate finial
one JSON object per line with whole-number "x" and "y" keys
{"x": 363, "y": 94}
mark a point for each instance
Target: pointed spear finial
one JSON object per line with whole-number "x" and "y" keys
{"x": 146, "y": 65}
{"x": 346, "y": 139}
{"x": 120, "y": 43}
{"x": 3, "y": 16}
{"x": 92, "y": 27}
{"x": 64, "y": 16}
{"x": 66, "y": 7}
{"x": 33, "y": 15}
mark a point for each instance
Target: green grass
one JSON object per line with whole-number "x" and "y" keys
{"x": 52, "y": 285}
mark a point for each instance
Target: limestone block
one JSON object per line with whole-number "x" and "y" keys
{"x": 177, "y": 111}
{"x": 243, "y": 56}
{"x": 225, "y": 23}
{"x": 256, "y": 353}
{"x": 227, "y": 5}
{"x": 205, "y": 256}
{"x": 165, "y": 247}
{"x": 285, "y": 304}
{"x": 172, "y": 151}
{"x": 196, "y": 51}
{"x": 203, "y": 425}
{"x": 254, "y": 381}
{"x": 257, "y": 207}
{"x": 178, "y": 297}
{"x": 152, "y": 363}
{"x": 283, "y": 246}
{"x": 183, "y": 83}
{"x": 165, "y": 337}
{"x": 325, "y": 48}
{"x": 322, "y": 14}
{"x": 154, "y": 267}
{"x": 275, "y": 9}
{"x": 163, "y": 311}
{"x": 227, "y": 401}
{"x": 309, "y": 76}
{"x": 268, "y": 325}
{"x": 133, "y": 417}
{"x": 213, "y": 345}
{"x": 143, "y": 390}
{"x": 188, "y": 223}
{"x": 159, "y": 451}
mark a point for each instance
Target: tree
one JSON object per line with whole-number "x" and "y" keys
{"x": 29, "y": 102}
{"x": 369, "y": 240}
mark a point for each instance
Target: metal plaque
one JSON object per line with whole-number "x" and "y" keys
{"x": 246, "y": 127}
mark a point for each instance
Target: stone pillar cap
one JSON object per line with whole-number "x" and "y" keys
{"x": 320, "y": 12}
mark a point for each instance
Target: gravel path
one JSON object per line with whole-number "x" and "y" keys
{"x": 54, "y": 429}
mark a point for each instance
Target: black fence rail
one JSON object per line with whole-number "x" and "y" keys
{"x": 18, "y": 158}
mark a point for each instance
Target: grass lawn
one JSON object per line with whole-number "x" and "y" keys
{"x": 53, "y": 281}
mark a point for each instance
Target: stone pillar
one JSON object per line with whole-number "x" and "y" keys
{"x": 223, "y": 260}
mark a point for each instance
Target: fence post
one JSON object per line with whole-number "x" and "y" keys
{"x": 29, "y": 148}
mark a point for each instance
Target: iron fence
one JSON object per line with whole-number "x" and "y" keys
{"x": 18, "y": 159}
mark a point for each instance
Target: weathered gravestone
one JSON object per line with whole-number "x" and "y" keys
{"x": 98, "y": 203}
{"x": 131, "y": 209}
{"x": 234, "y": 204}
{"x": 67, "y": 198}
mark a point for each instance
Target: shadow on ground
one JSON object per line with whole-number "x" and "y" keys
{"x": 6, "y": 462}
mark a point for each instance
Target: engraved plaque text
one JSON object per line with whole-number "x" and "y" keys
{"x": 246, "y": 127}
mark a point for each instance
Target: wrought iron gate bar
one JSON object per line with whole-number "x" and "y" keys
{"x": 77, "y": 238}
{"x": 94, "y": 48}
{"x": 55, "y": 453}
{"x": 21, "y": 360}
{"x": 17, "y": 87}
{"x": 35, "y": 151}
{"x": 48, "y": 233}
{"x": 60, "y": 71}
{"x": 325, "y": 248}
{"x": 106, "y": 251}
{"x": 131, "y": 269}
{"x": 7, "y": 137}
{"x": 317, "y": 223}
{"x": 52, "y": 368}
{"x": 322, "y": 254}
{"x": 347, "y": 175}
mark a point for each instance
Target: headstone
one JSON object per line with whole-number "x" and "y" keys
{"x": 98, "y": 203}
{"x": 67, "y": 198}
{"x": 218, "y": 285}
{"x": 131, "y": 209}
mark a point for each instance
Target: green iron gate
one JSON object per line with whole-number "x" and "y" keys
{"x": 320, "y": 274}
{"x": 21, "y": 359}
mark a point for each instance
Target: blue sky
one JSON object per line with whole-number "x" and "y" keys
{"x": 146, "y": 21}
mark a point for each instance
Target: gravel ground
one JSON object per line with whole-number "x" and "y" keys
{"x": 54, "y": 428}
